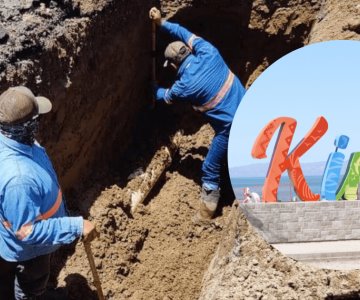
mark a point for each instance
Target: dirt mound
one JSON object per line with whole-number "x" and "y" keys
{"x": 245, "y": 266}
{"x": 337, "y": 20}
{"x": 159, "y": 253}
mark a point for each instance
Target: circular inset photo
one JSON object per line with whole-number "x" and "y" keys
{"x": 294, "y": 154}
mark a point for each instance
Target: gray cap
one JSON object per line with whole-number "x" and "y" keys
{"x": 18, "y": 104}
{"x": 176, "y": 52}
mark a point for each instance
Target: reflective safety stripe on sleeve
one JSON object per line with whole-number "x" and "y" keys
{"x": 191, "y": 40}
{"x": 24, "y": 231}
{"x": 53, "y": 209}
{"x": 27, "y": 228}
{"x": 219, "y": 96}
{"x": 7, "y": 224}
{"x": 167, "y": 99}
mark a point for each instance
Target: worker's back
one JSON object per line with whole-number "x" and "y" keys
{"x": 204, "y": 76}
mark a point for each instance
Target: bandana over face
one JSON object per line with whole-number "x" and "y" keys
{"x": 23, "y": 132}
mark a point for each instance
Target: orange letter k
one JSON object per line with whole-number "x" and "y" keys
{"x": 281, "y": 161}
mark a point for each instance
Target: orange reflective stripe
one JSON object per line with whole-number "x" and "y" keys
{"x": 24, "y": 231}
{"x": 191, "y": 40}
{"x": 219, "y": 96}
{"x": 7, "y": 224}
{"x": 52, "y": 210}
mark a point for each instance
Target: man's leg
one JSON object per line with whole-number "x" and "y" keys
{"x": 227, "y": 192}
{"x": 32, "y": 277}
{"x": 7, "y": 279}
{"x": 211, "y": 174}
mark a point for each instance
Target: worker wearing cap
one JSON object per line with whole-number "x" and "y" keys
{"x": 33, "y": 221}
{"x": 204, "y": 80}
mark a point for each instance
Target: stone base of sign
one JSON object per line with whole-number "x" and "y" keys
{"x": 338, "y": 255}
{"x": 293, "y": 222}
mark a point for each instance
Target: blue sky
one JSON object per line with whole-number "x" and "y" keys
{"x": 321, "y": 79}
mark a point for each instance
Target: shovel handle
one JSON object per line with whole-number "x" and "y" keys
{"x": 90, "y": 257}
{"x": 153, "y": 60}
{"x": 153, "y": 49}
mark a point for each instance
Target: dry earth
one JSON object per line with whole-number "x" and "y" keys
{"x": 159, "y": 253}
{"x": 87, "y": 55}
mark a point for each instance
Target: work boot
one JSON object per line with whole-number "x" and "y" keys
{"x": 208, "y": 203}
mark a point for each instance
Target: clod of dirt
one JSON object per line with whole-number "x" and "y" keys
{"x": 27, "y": 4}
{"x": 353, "y": 25}
{"x": 3, "y": 35}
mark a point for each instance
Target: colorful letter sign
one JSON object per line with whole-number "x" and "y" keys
{"x": 331, "y": 177}
{"x": 281, "y": 161}
{"x": 349, "y": 187}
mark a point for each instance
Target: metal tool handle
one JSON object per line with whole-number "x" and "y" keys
{"x": 153, "y": 62}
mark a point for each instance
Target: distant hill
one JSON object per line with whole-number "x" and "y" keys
{"x": 259, "y": 170}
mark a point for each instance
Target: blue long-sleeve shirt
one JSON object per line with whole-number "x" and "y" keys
{"x": 32, "y": 213}
{"x": 200, "y": 78}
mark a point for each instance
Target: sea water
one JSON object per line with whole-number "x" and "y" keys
{"x": 285, "y": 191}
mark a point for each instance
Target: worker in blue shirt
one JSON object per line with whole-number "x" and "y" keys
{"x": 33, "y": 220}
{"x": 204, "y": 80}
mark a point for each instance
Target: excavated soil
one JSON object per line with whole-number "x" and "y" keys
{"x": 159, "y": 252}
{"x": 93, "y": 59}
{"x": 246, "y": 267}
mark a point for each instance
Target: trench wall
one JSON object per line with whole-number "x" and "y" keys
{"x": 250, "y": 34}
{"x": 98, "y": 107}
{"x": 305, "y": 221}
{"x": 92, "y": 59}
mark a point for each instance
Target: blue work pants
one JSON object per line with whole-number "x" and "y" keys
{"x": 214, "y": 160}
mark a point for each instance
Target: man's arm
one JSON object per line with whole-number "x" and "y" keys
{"x": 177, "y": 92}
{"x": 197, "y": 44}
{"x": 175, "y": 30}
{"x": 162, "y": 95}
{"x": 178, "y": 32}
{"x": 21, "y": 208}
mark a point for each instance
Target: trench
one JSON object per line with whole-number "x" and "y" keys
{"x": 103, "y": 129}
{"x": 159, "y": 253}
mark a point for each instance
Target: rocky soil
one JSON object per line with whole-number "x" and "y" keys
{"x": 67, "y": 50}
{"x": 159, "y": 252}
{"x": 246, "y": 267}
{"x": 93, "y": 59}
{"x": 31, "y": 27}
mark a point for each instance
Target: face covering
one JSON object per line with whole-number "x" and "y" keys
{"x": 24, "y": 132}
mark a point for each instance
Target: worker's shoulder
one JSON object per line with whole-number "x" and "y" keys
{"x": 208, "y": 56}
{"x": 17, "y": 170}
{"x": 198, "y": 43}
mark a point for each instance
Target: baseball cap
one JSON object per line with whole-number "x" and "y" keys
{"x": 176, "y": 52}
{"x": 18, "y": 104}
